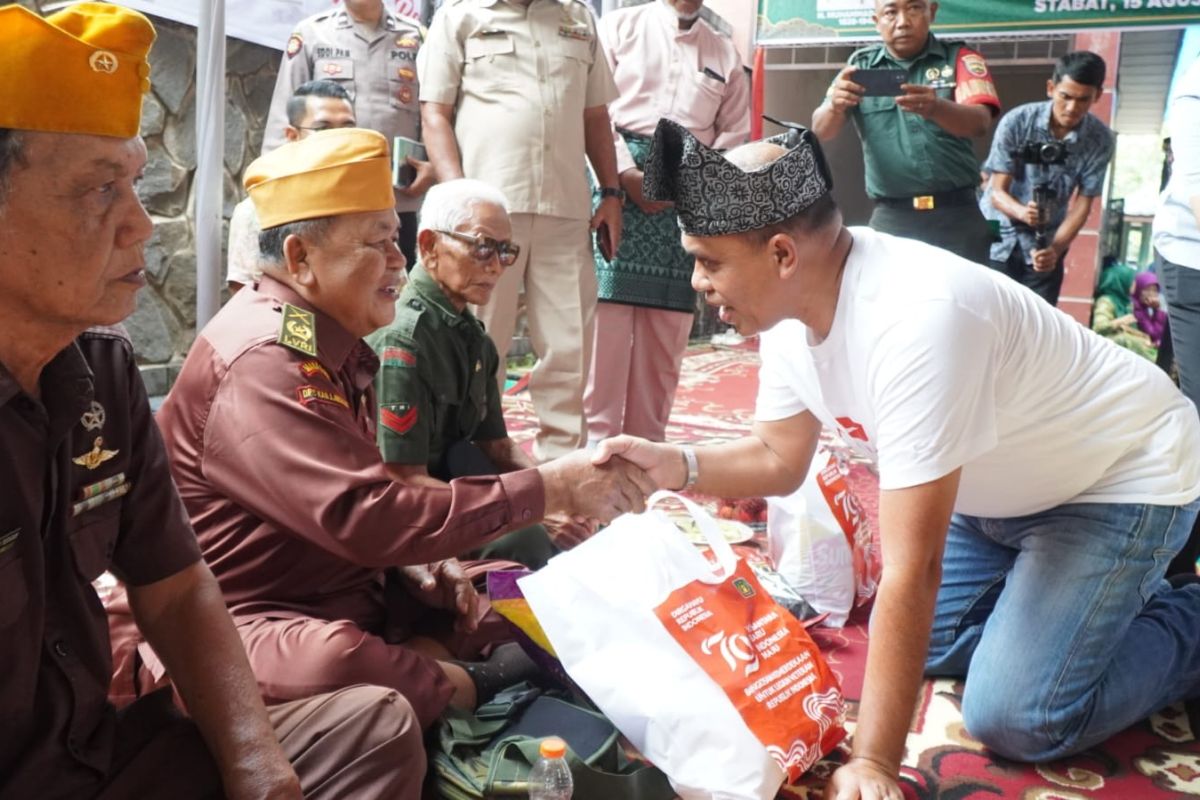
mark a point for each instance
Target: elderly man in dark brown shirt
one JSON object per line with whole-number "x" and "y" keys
{"x": 271, "y": 433}
{"x": 86, "y": 483}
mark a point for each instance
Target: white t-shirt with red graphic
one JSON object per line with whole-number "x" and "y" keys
{"x": 935, "y": 363}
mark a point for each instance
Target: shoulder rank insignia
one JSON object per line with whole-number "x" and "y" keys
{"x": 96, "y": 456}
{"x": 298, "y": 330}
{"x": 399, "y": 418}
{"x": 397, "y": 357}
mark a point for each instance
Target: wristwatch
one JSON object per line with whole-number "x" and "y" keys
{"x": 612, "y": 191}
{"x": 692, "y": 464}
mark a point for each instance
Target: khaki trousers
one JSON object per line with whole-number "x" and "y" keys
{"x": 635, "y": 370}
{"x": 362, "y": 742}
{"x": 555, "y": 269}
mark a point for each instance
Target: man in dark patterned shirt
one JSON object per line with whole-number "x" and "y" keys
{"x": 1066, "y": 185}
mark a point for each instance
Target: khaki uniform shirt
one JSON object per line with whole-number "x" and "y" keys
{"x": 274, "y": 453}
{"x": 905, "y": 154}
{"x": 519, "y": 77}
{"x": 437, "y": 380}
{"x": 378, "y": 69}
{"x": 86, "y": 489}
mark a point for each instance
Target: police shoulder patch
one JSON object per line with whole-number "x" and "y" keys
{"x": 295, "y": 44}
{"x": 298, "y": 330}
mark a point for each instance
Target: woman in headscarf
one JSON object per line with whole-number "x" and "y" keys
{"x": 1112, "y": 315}
{"x": 1147, "y": 309}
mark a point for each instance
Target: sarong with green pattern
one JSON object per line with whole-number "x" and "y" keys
{"x": 651, "y": 268}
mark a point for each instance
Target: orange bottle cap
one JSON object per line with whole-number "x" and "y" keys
{"x": 553, "y": 747}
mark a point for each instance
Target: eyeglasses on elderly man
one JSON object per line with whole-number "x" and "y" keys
{"x": 484, "y": 247}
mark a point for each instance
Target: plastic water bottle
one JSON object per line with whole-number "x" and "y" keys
{"x": 550, "y": 778}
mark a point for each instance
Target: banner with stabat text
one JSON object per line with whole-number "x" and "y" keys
{"x": 798, "y": 22}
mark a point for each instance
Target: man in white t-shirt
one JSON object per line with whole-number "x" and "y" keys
{"x": 1039, "y": 475}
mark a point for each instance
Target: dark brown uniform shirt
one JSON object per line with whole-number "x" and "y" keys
{"x": 84, "y": 487}
{"x": 275, "y": 456}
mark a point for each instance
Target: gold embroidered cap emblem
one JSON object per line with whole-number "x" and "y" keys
{"x": 103, "y": 61}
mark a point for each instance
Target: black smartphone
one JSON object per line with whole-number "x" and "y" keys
{"x": 604, "y": 241}
{"x": 880, "y": 82}
{"x": 403, "y": 173}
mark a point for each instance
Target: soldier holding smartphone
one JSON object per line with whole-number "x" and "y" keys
{"x": 921, "y": 169}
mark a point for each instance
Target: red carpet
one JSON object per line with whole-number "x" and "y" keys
{"x": 1158, "y": 758}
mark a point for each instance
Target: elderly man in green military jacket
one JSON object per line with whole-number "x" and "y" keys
{"x": 921, "y": 169}
{"x": 439, "y": 404}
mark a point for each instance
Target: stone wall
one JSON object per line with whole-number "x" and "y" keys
{"x": 163, "y": 326}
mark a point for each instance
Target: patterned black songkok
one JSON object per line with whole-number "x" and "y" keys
{"x": 713, "y": 197}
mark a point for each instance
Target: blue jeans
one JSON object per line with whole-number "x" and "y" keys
{"x": 1063, "y": 624}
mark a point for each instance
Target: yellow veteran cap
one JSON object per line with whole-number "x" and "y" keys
{"x": 339, "y": 171}
{"x": 80, "y": 70}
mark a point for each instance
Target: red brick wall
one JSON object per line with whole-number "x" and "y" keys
{"x": 1083, "y": 259}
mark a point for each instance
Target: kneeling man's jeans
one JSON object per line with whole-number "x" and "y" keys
{"x": 1063, "y": 624}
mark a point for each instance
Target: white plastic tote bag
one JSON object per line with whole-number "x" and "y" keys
{"x": 713, "y": 681}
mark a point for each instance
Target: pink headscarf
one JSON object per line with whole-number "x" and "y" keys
{"x": 1152, "y": 321}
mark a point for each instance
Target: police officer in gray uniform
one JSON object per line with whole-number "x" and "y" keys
{"x": 372, "y": 53}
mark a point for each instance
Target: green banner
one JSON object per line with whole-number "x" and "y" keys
{"x": 782, "y": 22}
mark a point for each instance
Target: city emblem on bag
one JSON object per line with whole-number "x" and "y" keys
{"x": 743, "y": 587}
{"x": 733, "y": 649}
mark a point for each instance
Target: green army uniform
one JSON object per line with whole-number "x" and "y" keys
{"x": 437, "y": 394}
{"x": 924, "y": 180}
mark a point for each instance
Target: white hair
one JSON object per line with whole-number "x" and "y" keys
{"x": 448, "y": 205}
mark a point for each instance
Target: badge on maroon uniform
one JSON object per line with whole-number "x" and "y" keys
{"x": 96, "y": 456}
{"x": 93, "y": 418}
{"x": 294, "y": 45}
{"x": 310, "y": 368}
{"x": 298, "y": 330}
{"x": 101, "y": 492}
{"x": 309, "y": 394}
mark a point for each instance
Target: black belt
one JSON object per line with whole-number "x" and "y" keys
{"x": 928, "y": 202}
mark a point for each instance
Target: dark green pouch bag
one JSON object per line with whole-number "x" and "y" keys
{"x": 489, "y": 754}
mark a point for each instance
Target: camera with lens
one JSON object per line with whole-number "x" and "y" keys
{"x": 1042, "y": 154}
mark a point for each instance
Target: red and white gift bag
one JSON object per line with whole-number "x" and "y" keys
{"x": 711, "y": 679}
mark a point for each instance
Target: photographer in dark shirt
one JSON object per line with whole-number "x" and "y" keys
{"x": 1047, "y": 166}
